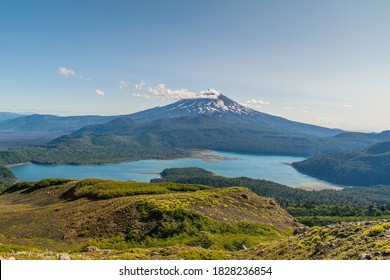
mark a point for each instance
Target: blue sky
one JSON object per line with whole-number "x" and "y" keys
{"x": 321, "y": 62}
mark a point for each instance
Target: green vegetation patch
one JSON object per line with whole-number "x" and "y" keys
{"x": 187, "y": 219}
{"x": 104, "y": 189}
{"x": 185, "y": 172}
{"x": 7, "y": 177}
{"x": 31, "y": 186}
{"x": 377, "y": 230}
{"x": 346, "y": 241}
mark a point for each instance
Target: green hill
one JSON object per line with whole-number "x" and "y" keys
{"x": 100, "y": 219}
{"x": 7, "y": 116}
{"x": 92, "y": 149}
{"x": 309, "y": 207}
{"x": 124, "y": 217}
{"x": 367, "y": 167}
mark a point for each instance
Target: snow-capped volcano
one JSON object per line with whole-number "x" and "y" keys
{"x": 209, "y": 103}
{"x": 213, "y": 107}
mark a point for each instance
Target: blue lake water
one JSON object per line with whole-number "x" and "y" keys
{"x": 268, "y": 167}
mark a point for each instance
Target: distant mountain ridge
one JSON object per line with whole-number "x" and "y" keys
{"x": 39, "y": 129}
{"x": 211, "y": 121}
{"x": 38, "y": 122}
{"x": 7, "y": 115}
{"x": 210, "y": 110}
{"x": 367, "y": 137}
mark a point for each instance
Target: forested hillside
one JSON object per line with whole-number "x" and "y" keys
{"x": 91, "y": 149}
{"x": 121, "y": 140}
{"x": 6, "y": 178}
{"x": 367, "y": 167}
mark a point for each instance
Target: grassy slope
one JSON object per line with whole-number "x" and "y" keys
{"x": 348, "y": 241}
{"x": 183, "y": 221}
{"x": 310, "y": 208}
{"x": 47, "y": 219}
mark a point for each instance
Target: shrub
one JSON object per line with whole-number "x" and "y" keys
{"x": 203, "y": 240}
{"x": 315, "y": 239}
{"x": 51, "y": 182}
{"x": 20, "y": 186}
{"x": 376, "y": 230}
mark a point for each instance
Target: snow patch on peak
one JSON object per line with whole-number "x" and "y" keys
{"x": 221, "y": 104}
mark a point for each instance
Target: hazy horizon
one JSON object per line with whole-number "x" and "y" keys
{"x": 320, "y": 62}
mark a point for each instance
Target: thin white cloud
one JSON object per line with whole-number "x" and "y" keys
{"x": 348, "y": 106}
{"x": 256, "y": 103}
{"x": 162, "y": 92}
{"x": 68, "y": 73}
{"x": 100, "y": 92}
{"x": 140, "y": 85}
{"x": 141, "y": 95}
{"x": 210, "y": 93}
{"x": 122, "y": 85}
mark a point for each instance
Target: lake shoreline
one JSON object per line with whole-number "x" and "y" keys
{"x": 17, "y": 164}
{"x": 208, "y": 157}
{"x": 316, "y": 187}
{"x": 226, "y": 164}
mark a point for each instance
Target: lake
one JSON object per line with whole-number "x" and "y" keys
{"x": 268, "y": 167}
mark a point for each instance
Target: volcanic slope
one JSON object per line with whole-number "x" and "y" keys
{"x": 223, "y": 109}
